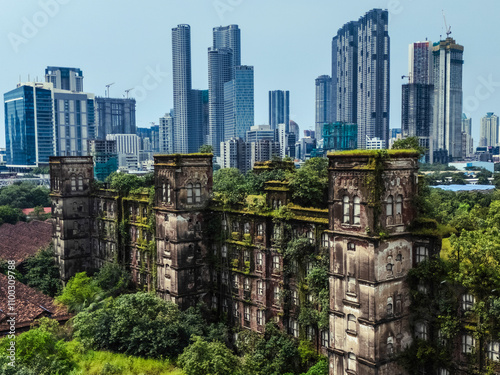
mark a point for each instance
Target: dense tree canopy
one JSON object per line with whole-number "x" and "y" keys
{"x": 24, "y": 195}
{"x": 42, "y": 272}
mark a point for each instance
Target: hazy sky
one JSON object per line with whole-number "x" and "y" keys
{"x": 287, "y": 41}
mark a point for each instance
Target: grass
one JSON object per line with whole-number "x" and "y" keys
{"x": 100, "y": 362}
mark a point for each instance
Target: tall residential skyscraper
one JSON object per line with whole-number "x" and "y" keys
{"x": 447, "y": 78}
{"x": 345, "y": 73}
{"x": 228, "y": 37}
{"x": 466, "y": 124}
{"x": 220, "y": 71}
{"x": 181, "y": 69}
{"x": 417, "y": 96}
{"x": 29, "y": 125}
{"x": 279, "y": 109}
{"x": 166, "y": 130}
{"x": 239, "y": 103}
{"x": 114, "y": 116}
{"x": 489, "y": 130}
{"x": 360, "y": 79}
{"x": 373, "y": 76}
{"x": 70, "y": 79}
{"x": 223, "y": 57}
{"x": 323, "y": 102}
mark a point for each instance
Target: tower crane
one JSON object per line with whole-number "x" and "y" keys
{"x": 448, "y": 29}
{"x": 127, "y": 91}
{"x": 107, "y": 89}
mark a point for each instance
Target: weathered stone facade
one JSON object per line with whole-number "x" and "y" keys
{"x": 255, "y": 264}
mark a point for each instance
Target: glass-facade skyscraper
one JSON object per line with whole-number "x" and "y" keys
{"x": 29, "y": 125}
{"x": 279, "y": 109}
{"x": 323, "y": 102}
{"x": 114, "y": 116}
{"x": 228, "y": 37}
{"x": 239, "y": 103}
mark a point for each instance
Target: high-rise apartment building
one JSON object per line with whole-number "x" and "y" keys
{"x": 114, "y": 116}
{"x": 279, "y": 109}
{"x": 239, "y": 103}
{"x": 447, "y": 116}
{"x": 166, "y": 133}
{"x": 105, "y": 157}
{"x": 489, "y": 130}
{"x": 235, "y": 153}
{"x": 228, "y": 37}
{"x": 220, "y": 71}
{"x": 181, "y": 71}
{"x": 258, "y": 132}
{"x": 70, "y": 79}
{"x": 127, "y": 148}
{"x": 467, "y": 141}
{"x": 417, "y": 96}
{"x": 29, "y": 125}
{"x": 360, "y": 75}
{"x": 223, "y": 57}
{"x": 323, "y": 102}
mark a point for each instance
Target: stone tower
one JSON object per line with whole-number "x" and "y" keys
{"x": 183, "y": 186}
{"x": 70, "y": 183}
{"x": 370, "y": 211}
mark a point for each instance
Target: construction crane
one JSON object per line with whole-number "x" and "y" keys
{"x": 127, "y": 91}
{"x": 448, "y": 29}
{"x": 107, "y": 89}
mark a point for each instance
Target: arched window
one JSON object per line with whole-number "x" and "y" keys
{"x": 421, "y": 330}
{"x": 388, "y": 206}
{"x": 169, "y": 197}
{"x": 246, "y": 228}
{"x": 197, "y": 193}
{"x": 399, "y": 205}
{"x": 345, "y": 210}
{"x": 390, "y": 308}
{"x": 73, "y": 183}
{"x": 164, "y": 192}
{"x": 189, "y": 188}
{"x": 357, "y": 210}
{"x": 80, "y": 183}
{"x": 260, "y": 230}
{"x": 351, "y": 323}
{"x": 324, "y": 240}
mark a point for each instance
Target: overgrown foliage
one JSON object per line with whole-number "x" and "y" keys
{"x": 409, "y": 143}
{"x": 11, "y": 215}
{"x": 126, "y": 183}
{"x": 310, "y": 183}
{"x": 42, "y": 272}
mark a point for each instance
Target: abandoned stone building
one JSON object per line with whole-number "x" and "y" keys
{"x": 334, "y": 276}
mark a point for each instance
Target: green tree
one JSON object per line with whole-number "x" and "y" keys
{"x": 409, "y": 143}
{"x": 208, "y": 358}
{"x": 113, "y": 280}
{"x": 39, "y": 352}
{"x": 206, "y": 149}
{"x": 310, "y": 183}
{"x": 320, "y": 368}
{"x": 124, "y": 182}
{"x": 229, "y": 185}
{"x": 10, "y": 215}
{"x": 79, "y": 292}
{"x": 138, "y": 324}
{"x": 42, "y": 272}
{"x": 24, "y": 195}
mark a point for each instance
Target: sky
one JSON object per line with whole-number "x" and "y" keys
{"x": 129, "y": 43}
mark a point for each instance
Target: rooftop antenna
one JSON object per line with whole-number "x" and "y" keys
{"x": 127, "y": 91}
{"x": 448, "y": 29}
{"x": 107, "y": 89}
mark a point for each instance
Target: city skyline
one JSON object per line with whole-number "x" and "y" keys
{"x": 150, "y": 74}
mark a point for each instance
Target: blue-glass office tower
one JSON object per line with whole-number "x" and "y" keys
{"x": 29, "y": 126}
{"x": 279, "y": 109}
{"x": 239, "y": 103}
{"x": 323, "y": 86}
